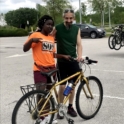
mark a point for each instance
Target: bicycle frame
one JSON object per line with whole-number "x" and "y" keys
{"x": 80, "y": 77}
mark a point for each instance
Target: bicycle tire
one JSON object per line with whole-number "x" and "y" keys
{"x": 86, "y": 109}
{"x": 122, "y": 43}
{"x": 117, "y": 41}
{"x": 122, "y": 39}
{"x": 22, "y": 100}
{"x": 111, "y": 44}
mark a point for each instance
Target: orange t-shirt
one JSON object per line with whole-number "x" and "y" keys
{"x": 43, "y": 51}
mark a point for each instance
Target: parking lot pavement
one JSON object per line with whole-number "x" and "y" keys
{"x": 16, "y": 70}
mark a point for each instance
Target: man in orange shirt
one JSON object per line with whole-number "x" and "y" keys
{"x": 43, "y": 50}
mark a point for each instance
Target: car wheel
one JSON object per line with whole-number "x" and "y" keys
{"x": 93, "y": 35}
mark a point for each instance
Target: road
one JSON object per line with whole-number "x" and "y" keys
{"x": 16, "y": 70}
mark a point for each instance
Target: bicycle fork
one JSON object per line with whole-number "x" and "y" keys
{"x": 87, "y": 84}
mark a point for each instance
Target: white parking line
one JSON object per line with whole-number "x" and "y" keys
{"x": 108, "y": 70}
{"x": 111, "y": 97}
{"x": 114, "y": 97}
{"x": 18, "y": 55}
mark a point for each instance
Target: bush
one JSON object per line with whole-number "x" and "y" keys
{"x": 8, "y": 31}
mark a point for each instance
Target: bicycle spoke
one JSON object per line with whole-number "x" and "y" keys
{"x": 27, "y": 109}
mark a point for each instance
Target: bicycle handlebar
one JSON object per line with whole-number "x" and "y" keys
{"x": 118, "y": 27}
{"x": 90, "y": 61}
{"x": 86, "y": 60}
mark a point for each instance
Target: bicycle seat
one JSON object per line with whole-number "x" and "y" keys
{"x": 49, "y": 73}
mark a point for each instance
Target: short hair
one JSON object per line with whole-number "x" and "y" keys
{"x": 43, "y": 19}
{"x": 68, "y": 10}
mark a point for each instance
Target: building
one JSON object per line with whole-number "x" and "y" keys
{"x": 2, "y": 20}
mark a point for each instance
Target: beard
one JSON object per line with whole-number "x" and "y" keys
{"x": 68, "y": 24}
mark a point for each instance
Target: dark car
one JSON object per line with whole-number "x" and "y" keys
{"x": 91, "y": 31}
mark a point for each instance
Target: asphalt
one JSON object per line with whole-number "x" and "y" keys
{"x": 16, "y": 70}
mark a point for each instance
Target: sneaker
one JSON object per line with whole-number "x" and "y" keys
{"x": 72, "y": 112}
{"x": 46, "y": 120}
{"x": 54, "y": 119}
{"x": 37, "y": 121}
{"x": 55, "y": 122}
{"x": 60, "y": 117}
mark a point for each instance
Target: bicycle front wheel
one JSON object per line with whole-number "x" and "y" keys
{"x": 117, "y": 41}
{"x": 27, "y": 108}
{"x": 111, "y": 42}
{"x": 86, "y": 106}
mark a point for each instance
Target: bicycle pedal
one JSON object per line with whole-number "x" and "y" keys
{"x": 70, "y": 121}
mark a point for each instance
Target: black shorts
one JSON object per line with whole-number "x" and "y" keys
{"x": 67, "y": 69}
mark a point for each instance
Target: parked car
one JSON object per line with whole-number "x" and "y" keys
{"x": 91, "y": 31}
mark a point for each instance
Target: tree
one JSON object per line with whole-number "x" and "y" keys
{"x": 21, "y": 16}
{"x": 83, "y": 13}
{"x": 55, "y": 8}
{"x": 83, "y": 8}
{"x": 118, "y": 12}
{"x": 77, "y": 16}
{"x": 101, "y": 6}
{"x": 41, "y": 9}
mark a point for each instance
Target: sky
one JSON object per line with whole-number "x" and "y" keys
{"x": 6, "y": 5}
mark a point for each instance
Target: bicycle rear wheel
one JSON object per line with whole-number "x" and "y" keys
{"x": 27, "y": 108}
{"x": 122, "y": 39}
{"x": 87, "y": 107}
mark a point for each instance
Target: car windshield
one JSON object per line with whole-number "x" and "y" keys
{"x": 91, "y": 26}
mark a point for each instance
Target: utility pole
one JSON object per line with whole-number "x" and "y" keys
{"x": 80, "y": 11}
{"x": 109, "y": 15}
{"x": 103, "y": 18}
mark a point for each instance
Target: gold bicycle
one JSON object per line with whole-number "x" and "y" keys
{"x": 89, "y": 96}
